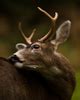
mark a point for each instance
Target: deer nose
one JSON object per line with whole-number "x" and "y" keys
{"x": 13, "y": 59}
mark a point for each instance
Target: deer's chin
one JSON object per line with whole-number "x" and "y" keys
{"x": 19, "y": 65}
{"x": 22, "y": 65}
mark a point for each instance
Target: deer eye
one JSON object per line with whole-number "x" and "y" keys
{"x": 35, "y": 46}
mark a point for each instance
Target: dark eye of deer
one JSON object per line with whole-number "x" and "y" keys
{"x": 35, "y": 46}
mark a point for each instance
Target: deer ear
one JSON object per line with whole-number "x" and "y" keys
{"x": 20, "y": 46}
{"x": 62, "y": 33}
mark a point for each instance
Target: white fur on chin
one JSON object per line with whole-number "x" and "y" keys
{"x": 19, "y": 65}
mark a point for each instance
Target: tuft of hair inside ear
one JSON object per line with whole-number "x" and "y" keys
{"x": 62, "y": 33}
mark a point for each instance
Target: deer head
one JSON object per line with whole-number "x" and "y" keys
{"x": 42, "y": 56}
{"x": 41, "y": 52}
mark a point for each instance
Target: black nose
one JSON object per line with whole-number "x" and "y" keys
{"x": 13, "y": 59}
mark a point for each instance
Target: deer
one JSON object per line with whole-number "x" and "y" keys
{"x": 37, "y": 71}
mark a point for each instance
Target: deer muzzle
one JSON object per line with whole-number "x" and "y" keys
{"x": 15, "y": 61}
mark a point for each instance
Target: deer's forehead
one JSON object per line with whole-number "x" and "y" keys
{"x": 44, "y": 45}
{"x": 36, "y": 43}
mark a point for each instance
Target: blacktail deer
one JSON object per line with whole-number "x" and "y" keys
{"x": 37, "y": 71}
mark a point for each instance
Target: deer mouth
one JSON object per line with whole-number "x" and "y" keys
{"x": 20, "y": 64}
{"x": 32, "y": 64}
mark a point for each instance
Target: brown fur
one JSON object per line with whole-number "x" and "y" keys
{"x": 21, "y": 84}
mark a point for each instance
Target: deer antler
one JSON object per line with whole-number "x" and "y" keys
{"x": 53, "y": 19}
{"x": 28, "y": 39}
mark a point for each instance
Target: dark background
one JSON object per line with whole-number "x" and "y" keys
{"x": 14, "y": 11}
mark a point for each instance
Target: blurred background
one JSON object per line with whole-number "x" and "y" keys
{"x": 25, "y": 11}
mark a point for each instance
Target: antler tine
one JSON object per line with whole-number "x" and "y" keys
{"x": 53, "y": 19}
{"x": 30, "y": 37}
{"x": 28, "y": 40}
{"x": 20, "y": 29}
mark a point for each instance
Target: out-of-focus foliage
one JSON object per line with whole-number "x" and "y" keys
{"x": 14, "y": 11}
{"x": 76, "y": 95}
